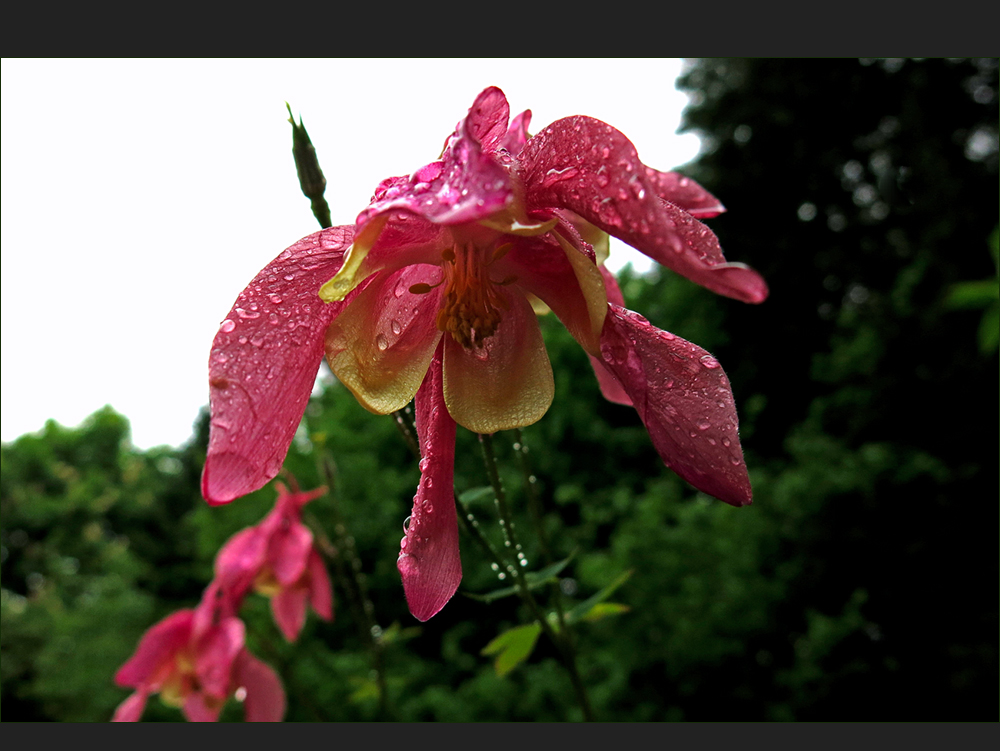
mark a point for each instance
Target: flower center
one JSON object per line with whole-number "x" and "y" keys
{"x": 470, "y": 305}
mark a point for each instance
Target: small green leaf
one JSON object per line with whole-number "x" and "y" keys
{"x": 474, "y": 495}
{"x": 603, "y": 610}
{"x": 534, "y": 580}
{"x": 513, "y": 647}
{"x": 581, "y": 610}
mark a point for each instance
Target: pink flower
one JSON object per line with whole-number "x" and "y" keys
{"x": 196, "y": 659}
{"x": 434, "y": 292}
{"x": 278, "y": 559}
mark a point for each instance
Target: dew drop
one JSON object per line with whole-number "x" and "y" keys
{"x": 703, "y": 424}
{"x": 381, "y": 342}
{"x": 396, "y": 327}
{"x": 242, "y": 340}
{"x": 726, "y": 442}
{"x": 257, "y": 341}
{"x": 227, "y": 326}
{"x": 276, "y": 299}
{"x": 709, "y": 362}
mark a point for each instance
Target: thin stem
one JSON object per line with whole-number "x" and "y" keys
{"x": 500, "y": 496}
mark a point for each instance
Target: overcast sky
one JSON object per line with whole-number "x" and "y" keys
{"x": 139, "y": 197}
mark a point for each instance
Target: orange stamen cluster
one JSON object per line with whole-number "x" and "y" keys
{"x": 470, "y": 306}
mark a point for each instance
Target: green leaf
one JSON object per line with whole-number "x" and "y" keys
{"x": 580, "y": 611}
{"x": 474, "y": 495}
{"x": 513, "y": 647}
{"x": 972, "y": 294}
{"x": 603, "y": 610}
{"x": 534, "y": 580}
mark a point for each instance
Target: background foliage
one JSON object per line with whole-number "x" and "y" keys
{"x": 860, "y": 585}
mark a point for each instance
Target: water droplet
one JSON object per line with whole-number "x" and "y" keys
{"x": 381, "y": 342}
{"x": 494, "y": 566}
{"x": 428, "y": 508}
{"x": 276, "y": 299}
{"x": 703, "y": 424}
{"x": 396, "y": 327}
{"x": 709, "y": 362}
{"x": 406, "y": 523}
{"x": 669, "y": 383}
{"x": 249, "y": 314}
{"x": 227, "y": 326}
{"x": 726, "y": 442}
{"x": 242, "y": 340}
{"x": 257, "y": 341}
{"x": 429, "y": 483}
{"x": 402, "y": 544}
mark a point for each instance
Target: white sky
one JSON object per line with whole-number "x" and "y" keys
{"x": 139, "y": 197}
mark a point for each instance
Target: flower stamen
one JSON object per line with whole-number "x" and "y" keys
{"x": 470, "y": 307}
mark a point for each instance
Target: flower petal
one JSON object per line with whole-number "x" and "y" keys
{"x": 517, "y": 133}
{"x": 132, "y": 708}
{"x": 289, "y": 610}
{"x": 320, "y": 588}
{"x": 684, "y": 192}
{"x": 587, "y": 166}
{"x": 200, "y": 708}
{"x": 156, "y": 648}
{"x": 429, "y": 561}
{"x": 610, "y": 387}
{"x": 239, "y": 560}
{"x": 507, "y": 383}
{"x": 381, "y": 345}
{"x": 265, "y": 697}
{"x": 289, "y": 552}
{"x": 685, "y": 401}
{"x": 487, "y": 118}
{"x": 562, "y": 277}
{"x": 215, "y": 654}
{"x": 470, "y": 184}
{"x": 263, "y": 365}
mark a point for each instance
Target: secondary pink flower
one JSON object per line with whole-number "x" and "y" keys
{"x": 278, "y": 559}
{"x": 196, "y": 659}
{"x": 433, "y": 293}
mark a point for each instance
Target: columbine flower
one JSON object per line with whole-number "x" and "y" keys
{"x": 196, "y": 659}
{"x": 278, "y": 559}
{"x": 433, "y": 293}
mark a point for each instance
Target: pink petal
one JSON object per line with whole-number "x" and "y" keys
{"x": 156, "y": 648}
{"x": 132, "y": 708}
{"x": 264, "y": 362}
{"x": 470, "y": 185}
{"x": 517, "y": 133}
{"x": 429, "y": 561}
{"x": 487, "y": 118}
{"x": 240, "y": 560}
{"x": 381, "y": 345}
{"x": 289, "y": 551}
{"x": 587, "y": 166}
{"x": 543, "y": 268}
{"x": 215, "y": 654}
{"x": 289, "y": 610}
{"x": 610, "y": 387}
{"x": 200, "y": 708}
{"x": 265, "y": 697}
{"x": 320, "y": 589}
{"x": 507, "y": 383}
{"x": 684, "y": 192}
{"x": 684, "y": 399}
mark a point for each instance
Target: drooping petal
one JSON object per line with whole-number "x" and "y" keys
{"x": 587, "y": 166}
{"x": 215, "y": 654}
{"x": 684, "y": 192}
{"x": 264, "y": 362}
{"x": 265, "y": 696}
{"x": 289, "y": 610}
{"x": 685, "y": 401}
{"x": 320, "y": 589}
{"x": 239, "y": 560}
{"x": 289, "y": 552}
{"x": 132, "y": 708}
{"x": 156, "y": 648}
{"x": 429, "y": 561}
{"x": 381, "y": 345}
{"x": 610, "y": 387}
{"x": 506, "y": 383}
{"x": 198, "y": 707}
{"x": 564, "y": 279}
